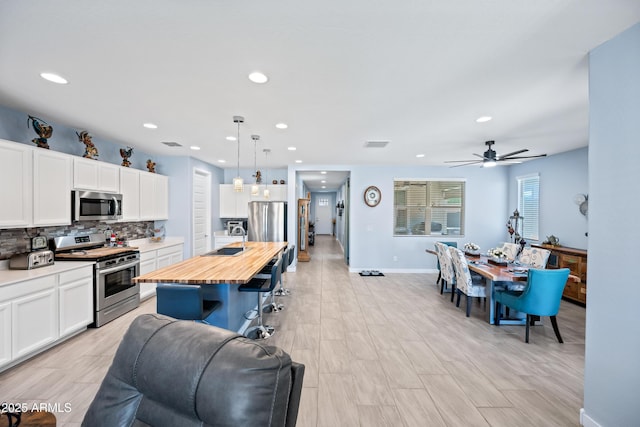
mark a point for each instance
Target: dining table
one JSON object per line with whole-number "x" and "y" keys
{"x": 499, "y": 273}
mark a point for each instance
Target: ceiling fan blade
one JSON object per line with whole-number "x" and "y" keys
{"x": 462, "y": 161}
{"x": 502, "y": 156}
{"x": 473, "y": 162}
{"x": 525, "y": 157}
{"x": 478, "y": 155}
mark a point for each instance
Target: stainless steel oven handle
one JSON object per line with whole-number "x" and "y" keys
{"x": 118, "y": 268}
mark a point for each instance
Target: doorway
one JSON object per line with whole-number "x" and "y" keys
{"x": 201, "y": 212}
{"x": 323, "y": 217}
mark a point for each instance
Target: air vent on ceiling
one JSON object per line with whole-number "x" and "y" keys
{"x": 376, "y": 144}
{"x": 171, "y": 144}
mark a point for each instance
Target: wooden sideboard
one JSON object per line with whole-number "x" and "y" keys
{"x": 576, "y": 261}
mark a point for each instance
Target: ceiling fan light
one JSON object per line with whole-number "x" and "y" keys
{"x": 488, "y": 163}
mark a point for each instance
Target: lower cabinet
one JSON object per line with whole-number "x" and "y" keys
{"x": 154, "y": 260}
{"x": 75, "y": 296}
{"x": 36, "y": 313}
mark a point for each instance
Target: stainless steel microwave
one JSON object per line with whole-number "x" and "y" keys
{"x": 89, "y": 205}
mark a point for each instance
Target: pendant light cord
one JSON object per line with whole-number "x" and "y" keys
{"x": 238, "y": 148}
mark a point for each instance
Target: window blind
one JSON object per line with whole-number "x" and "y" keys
{"x": 529, "y": 204}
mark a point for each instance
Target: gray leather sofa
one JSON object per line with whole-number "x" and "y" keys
{"x": 169, "y": 372}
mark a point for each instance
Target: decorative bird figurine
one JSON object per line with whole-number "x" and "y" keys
{"x": 151, "y": 166}
{"x": 43, "y": 130}
{"x": 125, "y": 156}
{"x": 90, "y": 150}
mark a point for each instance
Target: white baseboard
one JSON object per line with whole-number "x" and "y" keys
{"x": 586, "y": 420}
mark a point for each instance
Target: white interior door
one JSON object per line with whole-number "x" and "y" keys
{"x": 201, "y": 212}
{"x": 323, "y": 215}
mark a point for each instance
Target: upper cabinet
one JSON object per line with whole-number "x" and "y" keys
{"x": 130, "y": 190}
{"x": 16, "y": 176}
{"x": 38, "y": 189}
{"x": 94, "y": 175}
{"x": 51, "y": 188}
{"x": 154, "y": 196}
{"x": 236, "y": 205}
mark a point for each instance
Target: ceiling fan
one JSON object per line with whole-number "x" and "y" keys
{"x": 490, "y": 158}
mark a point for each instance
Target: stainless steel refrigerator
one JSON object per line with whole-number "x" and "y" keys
{"x": 267, "y": 222}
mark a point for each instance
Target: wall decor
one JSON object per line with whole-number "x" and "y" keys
{"x": 151, "y": 166}
{"x": 125, "y": 154}
{"x": 372, "y": 196}
{"x": 90, "y": 150}
{"x": 43, "y": 130}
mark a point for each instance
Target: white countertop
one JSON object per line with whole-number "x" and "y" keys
{"x": 8, "y": 277}
{"x": 144, "y": 245}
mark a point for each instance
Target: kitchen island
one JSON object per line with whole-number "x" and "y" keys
{"x": 220, "y": 276}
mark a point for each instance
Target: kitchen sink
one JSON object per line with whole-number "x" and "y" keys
{"x": 226, "y": 252}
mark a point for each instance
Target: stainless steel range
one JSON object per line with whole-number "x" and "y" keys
{"x": 113, "y": 288}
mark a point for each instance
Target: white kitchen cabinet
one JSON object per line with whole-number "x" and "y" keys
{"x": 34, "y": 318}
{"x": 155, "y": 259}
{"x": 89, "y": 174}
{"x": 221, "y": 241}
{"x": 232, "y": 203}
{"x": 5, "y": 333}
{"x": 154, "y": 196}
{"x": 51, "y": 188}
{"x": 75, "y": 296}
{"x": 130, "y": 190}
{"x": 16, "y": 175}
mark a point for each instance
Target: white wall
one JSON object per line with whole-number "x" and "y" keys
{"x": 612, "y": 376}
{"x": 562, "y": 176}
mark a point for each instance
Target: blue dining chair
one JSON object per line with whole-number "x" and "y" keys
{"x": 540, "y": 297}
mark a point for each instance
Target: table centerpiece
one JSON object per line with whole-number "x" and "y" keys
{"x": 497, "y": 256}
{"x": 471, "y": 249}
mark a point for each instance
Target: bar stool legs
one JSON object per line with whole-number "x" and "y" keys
{"x": 260, "y": 331}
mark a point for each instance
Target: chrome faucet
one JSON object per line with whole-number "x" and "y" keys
{"x": 244, "y": 236}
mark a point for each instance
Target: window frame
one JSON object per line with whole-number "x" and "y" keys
{"x": 406, "y": 215}
{"x": 529, "y": 210}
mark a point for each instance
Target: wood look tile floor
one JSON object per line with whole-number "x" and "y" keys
{"x": 379, "y": 351}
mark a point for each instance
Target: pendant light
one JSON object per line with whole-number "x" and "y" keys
{"x": 238, "y": 183}
{"x": 254, "y": 187}
{"x": 266, "y": 175}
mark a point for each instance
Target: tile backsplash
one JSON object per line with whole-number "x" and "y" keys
{"x": 18, "y": 240}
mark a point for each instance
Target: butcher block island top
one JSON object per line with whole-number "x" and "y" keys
{"x": 216, "y": 269}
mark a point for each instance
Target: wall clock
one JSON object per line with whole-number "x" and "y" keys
{"x": 372, "y": 196}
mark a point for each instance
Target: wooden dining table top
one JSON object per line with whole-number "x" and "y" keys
{"x": 498, "y": 273}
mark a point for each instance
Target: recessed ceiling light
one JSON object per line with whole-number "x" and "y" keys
{"x": 54, "y": 78}
{"x": 323, "y": 181}
{"x": 195, "y": 147}
{"x": 222, "y": 161}
{"x": 324, "y": 186}
{"x": 483, "y": 119}
{"x": 282, "y": 125}
{"x": 231, "y": 138}
{"x": 150, "y": 126}
{"x": 258, "y": 77}
{"x": 298, "y": 161}
{"x": 291, "y": 148}
{"x": 323, "y": 172}
{"x": 419, "y": 156}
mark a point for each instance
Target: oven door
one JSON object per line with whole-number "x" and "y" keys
{"x": 116, "y": 284}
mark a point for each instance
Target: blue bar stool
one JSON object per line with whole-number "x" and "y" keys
{"x": 184, "y": 302}
{"x": 262, "y": 286}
